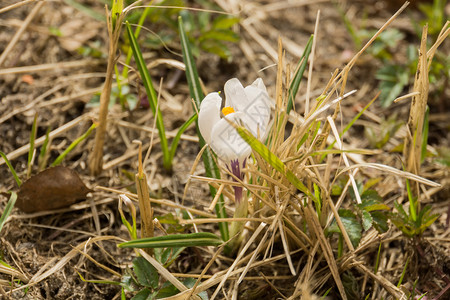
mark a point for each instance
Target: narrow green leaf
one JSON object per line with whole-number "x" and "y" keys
{"x": 145, "y": 294}
{"x": 98, "y": 281}
{"x": 295, "y": 84}
{"x": 11, "y": 169}
{"x": 273, "y": 160}
{"x": 176, "y": 139}
{"x": 412, "y": 202}
{"x": 196, "y": 93}
{"x": 32, "y": 139}
{"x": 152, "y": 97}
{"x": 43, "y": 154}
{"x": 403, "y": 273}
{"x": 175, "y": 240}
{"x": 146, "y": 274}
{"x": 60, "y": 158}
{"x": 8, "y": 208}
{"x": 136, "y": 35}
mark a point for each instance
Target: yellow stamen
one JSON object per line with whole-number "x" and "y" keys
{"x": 227, "y": 110}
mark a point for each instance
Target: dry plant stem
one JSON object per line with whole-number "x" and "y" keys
{"x": 413, "y": 140}
{"x": 242, "y": 252}
{"x": 96, "y": 159}
{"x": 19, "y": 33}
{"x": 16, "y": 5}
{"x": 326, "y": 248}
{"x": 147, "y": 229}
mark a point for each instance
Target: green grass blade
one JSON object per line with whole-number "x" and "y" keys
{"x": 43, "y": 153}
{"x": 8, "y": 208}
{"x": 31, "y": 150}
{"x": 152, "y": 97}
{"x": 176, "y": 139}
{"x": 403, "y": 273}
{"x": 295, "y": 84}
{"x": 196, "y": 93}
{"x": 136, "y": 35}
{"x": 11, "y": 169}
{"x": 60, "y": 158}
{"x": 175, "y": 241}
{"x": 273, "y": 160}
{"x": 412, "y": 202}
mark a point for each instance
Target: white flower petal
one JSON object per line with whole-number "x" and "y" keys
{"x": 226, "y": 141}
{"x": 257, "y": 113}
{"x": 209, "y": 115}
{"x": 235, "y": 95}
{"x": 259, "y": 84}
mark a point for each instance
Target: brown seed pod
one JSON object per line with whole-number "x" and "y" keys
{"x": 51, "y": 189}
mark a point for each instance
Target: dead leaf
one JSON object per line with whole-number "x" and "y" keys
{"x": 51, "y": 189}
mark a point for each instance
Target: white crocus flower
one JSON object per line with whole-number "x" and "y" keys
{"x": 248, "y": 107}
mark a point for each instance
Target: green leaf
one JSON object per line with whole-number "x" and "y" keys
{"x": 380, "y": 221}
{"x": 60, "y": 158}
{"x": 196, "y": 93}
{"x": 175, "y": 240}
{"x": 351, "y": 225}
{"x": 221, "y": 35}
{"x": 273, "y": 160}
{"x": 176, "y": 139}
{"x": 393, "y": 79}
{"x": 146, "y": 274}
{"x": 167, "y": 290}
{"x": 167, "y": 256}
{"x": 367, "y": 220}
{"x": 116, "y": 11}
{"x": 8, "y": 208}
{"x": 32, "y": 139}
{"x": 11, "y": 168}
{"x": 190, "y": 282}
{"x": 144, "y": 294}
{"x": 152, "y": 97}
{"x": 295, "y": 84}
{"x": 225, "y": 22}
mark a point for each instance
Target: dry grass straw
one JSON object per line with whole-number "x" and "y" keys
{"x": 412, "y": 151}
{"x": 114, "y": 31}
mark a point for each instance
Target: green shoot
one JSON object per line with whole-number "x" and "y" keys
{"x": 60, "y": 158}
{"x": 11, "y": 168}
{"x": 8, "y": 208}
{"x": 31, "y": 150}
{"x": 211, "y": 168}
{"x": 295, "y": 84}
{"x": 152, "y": 97}
{"x": 403, "y": 273}
{"x": 175, "y": 241}
{"x": 43, "y": 155}
{"x": 176, "y": 139}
